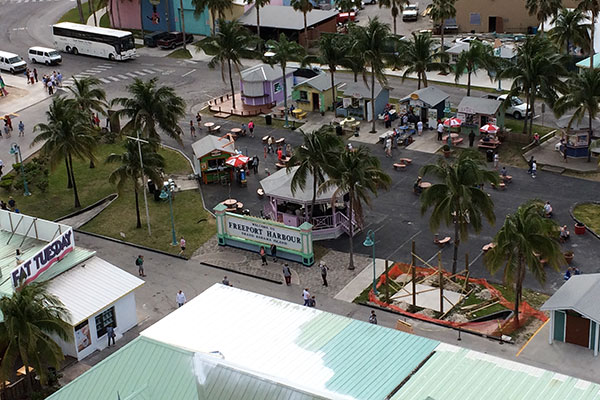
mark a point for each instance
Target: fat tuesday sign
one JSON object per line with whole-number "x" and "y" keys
{"x": 265, "y": 233}
{"x": 54, "y": 251}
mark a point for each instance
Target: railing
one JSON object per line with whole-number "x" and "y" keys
{"x": 345, "y": 223}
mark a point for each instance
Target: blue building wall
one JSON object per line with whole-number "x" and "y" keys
{"x": 169, "y": 19}
{"x": 196, "y": 25}
{"x": 381, "y": 101}
{"x": 149, "y": 13}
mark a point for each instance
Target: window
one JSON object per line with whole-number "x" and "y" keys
{"x": 103, "y": 320}
{"x": 475, "y": 19}
{"x": 303, "y": 95}
{"x": 277, "y": 87}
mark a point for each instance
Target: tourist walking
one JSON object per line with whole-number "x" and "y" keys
{"x": 255, "y": 164}
{"x": 180, "y": 298}
{"x": 251, "y": 128}
{"x": 440, "y": 129}
{"x": 35, "y": 75}
{"x": 110, "y": 334}
{"x": 373, "y": 318}
{"x": 199, "y": 120}
{"x": 182, "y": 245}
{"x": 21, "y": 129}
{"x": 471, "y": 138}
{"x": 140, "y": 264}
{"x": 274, "y": 252}
{"x": 533, "y": 169}
{"x": 496, "y": 160}
{"x": 192, "y": 129}
{"x": 420, "y": 128}
{"x": 388, "y": 147}
{"x": 287, "y": 274}
{"x": 226, "y": 282}
{"x": 530, "y": 163}
{"x": 312, "y": 302}
{"x": 263, "y": 255}
{"x": 324, "y": 269}
{"x": 306, "y": 296}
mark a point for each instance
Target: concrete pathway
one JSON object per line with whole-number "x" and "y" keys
{"x": 24, "y": 95}
{"x": 546, "y": 155}
{"x": 99, "y": 14}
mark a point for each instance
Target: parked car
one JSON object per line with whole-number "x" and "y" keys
{"x": 11, "y": 62}
{"x": 44, "y": 55}
{"x": 174, "y": 39}
{"x": 517, "y": 108}
{"x": 151, "y": 39}
{"x": 410, "y": 12}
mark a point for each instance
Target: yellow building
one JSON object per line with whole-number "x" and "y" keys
{"x": 314, "y": 94}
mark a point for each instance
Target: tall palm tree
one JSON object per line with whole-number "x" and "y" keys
{"x": 67, "y": 134}
{"x": 593, "y": 7}
{"x": 228, "y": 47}
{"x": 525, "y": 238}
{"x": 536, "y": 73}
{"x": 258, "y": 4}
{"x": 149, "y": 107}
{"x": 543, "y": 9}
{"x": 457, "y": 199}
{"x": 373, "y": 42}
{"x": 80, "y": 12}
{"x": 479, "y": 55}
{"x": 418, "y": 56}
{"x": 217, "y": 9}
{"x": 583, "y": 96}
{"x": 304, "y": 6}
{"x": 395, "y": 7}
{"x": 31, "y": 317}
{"x": 570, "y": 29}
{"x": 359, "y": 174}
{"x": 284, "y": 51}
{"x": 354, "y": 56}
{"x": 441, "y": 10}
{"x": 333, "y": 53}
{"x": 312, "y": 158}
{"x": 130, "y": 171}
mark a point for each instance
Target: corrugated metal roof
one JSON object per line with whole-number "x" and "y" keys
{"x": 453, "y": 373}
{"x": 309, "y": 348}
{"x": 210, "y": 143}
{"x": 92, "y": 286}
{"x": 264, "y": 73}
{"x": 478, "y": 105}
{"x": 359, "y": 90}
{"x": 279, "y": 185}
{"x": 430, "y": 95}
{"x": 579, "y": 293}
{"x": 285, "y": 17}
{"x": 321, "y": 82}
{"x": 146, "y": 369}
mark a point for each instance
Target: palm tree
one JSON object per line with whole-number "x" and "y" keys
{"x": 148, "y": 107}
{"x": 525, "y": 238}
{"x": 80, "y": 12}
{"x": 305, "y": 6}
{"x": 359, "y": 174}
{"x": 284, "y": 51}
{"x": 458, "y": 200}
{"x": 333, "y": 53}
{"x": 570, "y": 29}
{"x": 582, "y": 95}
{"x": 312, "y": 158}
{"x": 441, "y": 10}
{"x": 228, "y": 46}
{"x": 129, "y": 169}
{"x": 543, "y": 9}
{"x": 395, "y": 6}
{"x": 536, "y": 73}
{"x": 258, "y": 4}
{"x": 346, "y": 5}
{"x": 479, "y": 55}
{"x": 354, "y": 56}
{"x": 593, "y": 7}
{"x": 373, "y": 42}
{"x": 418, "y": 57}
{"x": 217, "y": 9}
{"x": 67, "y": 134}
{"x": 31, "y": 317}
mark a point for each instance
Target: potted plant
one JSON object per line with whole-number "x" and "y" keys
{"x": 569, "y": 256}
{"x": 579, "y": 228}
{"x": 446, "y": 150}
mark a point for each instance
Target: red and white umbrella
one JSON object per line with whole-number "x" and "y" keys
{"x": 489, "y": 128}
{"x": 237, "y": 161}
{"x": 453, "y": 122}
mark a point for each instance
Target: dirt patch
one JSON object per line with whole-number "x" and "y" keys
{"x": 13, "y": 93}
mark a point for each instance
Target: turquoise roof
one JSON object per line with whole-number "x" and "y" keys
{"x": 145, "y": 369}
{"x": 585, "y": 63}
{"x": 453, "y": 373}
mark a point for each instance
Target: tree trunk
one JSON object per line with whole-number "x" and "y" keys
{"x": 92, "y": 11}
{"x": 373, "y": 116}
{"x": 418, "y": 81}
{"x": 589, "y": 157}
{"x": 183, "y": 25}
{"x": 527, "y": 101}
{"x": 519, "y": 288}
{"x": 395, "y": 25}
{"x": 469, "y": 83}
{"x": 75, "y": 194}
{"x": 305, "y": 33}
{"x": 424, "y": 79}
{"x": 314, "y": 198}
{"x": 80, "y": 10}
{"x": 283, "y": 65}
{"x": 442, "y": 35}
{"x": 138, "y": 224}
{"x": 118, "y": 14}
{"x": 355, "y": 76}
{"x": 111, "y": 15}
{"x": 351, "y": 229}
{"x": 456, "y": 244}
{"x": 531, "y": 114}
{"x": 141, "y": 19}
{"x": 214, "y": 22}
{"x": 28, "y": 378}
{"x": 92, "y": 165}
{"x": 258, "y": 29}
{"x": 332, "y": 71}
{"x": 231, "y": 82}
{"x": 592, "y": 43}
{"x": 69, "y": 181}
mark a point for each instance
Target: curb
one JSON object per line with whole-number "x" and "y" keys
{"x": 597, "y": 236}
{"x": 88, "y": 208}
{"x": 139, "y": 246}
{"x": 241, "y": 273}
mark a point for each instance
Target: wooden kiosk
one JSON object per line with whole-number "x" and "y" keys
{"x": 210, "y": 154}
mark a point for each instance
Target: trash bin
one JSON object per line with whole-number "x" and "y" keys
{"x": 268, "y": 119}
{"x": 490, "y": 155}
{"x": 339, "y": 130}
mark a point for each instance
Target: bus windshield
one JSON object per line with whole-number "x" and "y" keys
{"x": 127, "y": 43}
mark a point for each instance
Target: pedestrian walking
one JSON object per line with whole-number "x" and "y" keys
{"x": 324, "y": 269}
{"x": 243, "y": 129}
{"x": 140, "y": 264}
{"x": 263, "y": 255}
{"x": 182, "y": 245}
{"x": 21, "y": 129}
{"x": 533, "y": 169}
{"x": 180, "y": 298}
{"x": 6, "y": 131}
{"x": 440, "y": 129}
{"x": 50, "y": 87}
{"x": 27, "y": 76}
{"x": 388, "y": 147}
{"x": 59, "y": 78}
{"x": 496, "y": 160}
{"x": 306, "y": 296}
{"x": 471, "y": 138}
{"x": 287, "y": 274}
{"x": 110, "y": 334}
{"x": 35, "y": 75}
{"x": 255, "y": 164}
{"x": 420, "y": 128}
{"x": 8, "y": 121}
{"x": 274, "y": 252}
{"x": 226, "y": 282}
{"x": 530, "y": 163}
{"x": 565, "y": 154}
{"x": 270, "y": 142}
{"x": 192, "y": 129}
{"x": 3, "y": 87}
{"x": 251, "y": 128}
{"x": 373, "y": 318}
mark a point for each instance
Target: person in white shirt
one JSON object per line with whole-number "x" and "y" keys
{"x": 440, "y": 130}
{"x": 419, "y": 127}
{"x": 306, "y": 296}
{"x": 548, "y": 210}
{"x": 181, "y": 300}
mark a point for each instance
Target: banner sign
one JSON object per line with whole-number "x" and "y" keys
{"x": 269, "y": 234}
{"x": 55, "y": 251}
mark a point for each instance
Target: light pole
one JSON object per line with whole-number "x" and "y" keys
{"x": 370, "y": 242}
{"x": 16, "y": 149}
{"x": 139, "y": 143}
{"x": 167, "y": 192}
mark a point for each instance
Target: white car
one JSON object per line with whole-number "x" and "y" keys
{"x": 44, "y": 55}
{"x": 410, "y": 12}
{"x": 12, "y": 62}
{"x": 517, "y": 107}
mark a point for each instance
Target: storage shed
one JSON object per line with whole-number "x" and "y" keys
{"x": 475, "y": 112}
{"x": 314, "y": 94}
{"x": 356, "y": 100}
{"x": 427, "y": 104}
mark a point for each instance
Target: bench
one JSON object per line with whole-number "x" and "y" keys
{"x": 405, "y": 161}
{"x": 488, "y": 145}
{"x": 501, "y": 185}
{"x": 400, "y": 166}
{"x": 215, "y": 129}
{"x": 506, "y": 179}
{"x": 441, "y": 242}
{"x": 457, "y": 141}
{"x": 301, "y": 115}
{"x": 260, "y": 192}
{"x": 488, "y": 246}
{"x": 265, "y": 139}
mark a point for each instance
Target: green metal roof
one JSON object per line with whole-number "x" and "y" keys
{"x": 145, "y": 369}
{"x": 453, "y": 373}
{"x": 585, "y": 63}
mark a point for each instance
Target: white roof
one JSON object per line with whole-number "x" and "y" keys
{"x": 579, "y": 293}
{"x": 279, "y": 185}
{"x": 93, "y": 29}
{"x": 92, "y": 286}
{"x": 210, "y": 143}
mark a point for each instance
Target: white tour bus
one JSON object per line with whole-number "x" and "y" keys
{"x": 93, "y": 41}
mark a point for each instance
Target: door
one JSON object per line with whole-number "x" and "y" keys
{"x": 578, "y": 329}
{"x": 315, "y": 102}
{"x": 499, "y": 24}
{"x": 492, "y": 24}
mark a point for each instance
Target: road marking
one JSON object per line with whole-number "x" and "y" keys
{"x": 189, "y": 72}
{"x": 122, "y": 76}
{"x": 158, "y": 70}
{"x": 190, "y": 62}
{"x": 79, "y": 76}
{"x": 131, "y": 75}
{"x": 94, "y": 71}
{"x": 114, "y": 78}
{"x": 148, "y": 71}
{"x": 105, "y": 66}
{"x": 19, "y": 29}
{"x": 532, "y": 336}
{"x": 104, "y": 80}
{"x": 84, "y": 74}
{"x": 139, "y": 73}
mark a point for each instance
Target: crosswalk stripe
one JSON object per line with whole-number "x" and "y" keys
{"x": 114, "y": 78}
{"x": 131, "y": 75}
{"x": 139, "y": 73}
{"x": 84, "y": 74}
{"x": 104, "y": 80}
{"x": 158, "y": 70}
{"x": 94, "y": 71}
{"x": 105, "y": 65}
{"x": 123, "y": 76}
{"x": 148, "y": 71}
{"x": 102, "y": 68}
{"x": 79, "y": 76}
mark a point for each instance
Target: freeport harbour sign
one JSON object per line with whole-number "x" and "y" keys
{"x": 250, "y": 233}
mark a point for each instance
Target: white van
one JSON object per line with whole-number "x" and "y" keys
{"x": 44, "y": 55}
{"x": 11, "y": 62}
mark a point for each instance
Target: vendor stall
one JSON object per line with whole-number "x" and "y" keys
{"x": 475, "y": 112}
{"x": 356, "y": 101}
{"x": 210, "y": 156}
{"x": 427, "y": 104}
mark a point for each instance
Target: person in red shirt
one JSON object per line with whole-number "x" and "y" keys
{"x": 279, "y": 154}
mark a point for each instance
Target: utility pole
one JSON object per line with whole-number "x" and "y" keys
{"x": 139, "y": 143}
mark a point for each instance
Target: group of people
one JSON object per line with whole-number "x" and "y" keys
{"x": 8, "y": 128}
{"x": 11, "y": 205}
{"x": 532, "y": 167}
{"x": 50, "y": 81}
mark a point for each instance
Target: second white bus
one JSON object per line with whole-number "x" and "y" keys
{"x": 93, "y": 41}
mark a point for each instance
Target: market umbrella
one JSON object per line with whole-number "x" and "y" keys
{"x": 13, "y": 115}
{"x": 237, "y": 160}
{"x": 453, "y": 122}
{"x": 489, "y": 128}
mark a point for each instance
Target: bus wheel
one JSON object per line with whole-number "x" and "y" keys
{"x": 68, "y": 49}
{"x": 111, "y": 57}
{"x": 75, "y": 51}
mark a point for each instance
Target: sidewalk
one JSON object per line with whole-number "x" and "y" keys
{"x": 20, "y": 94}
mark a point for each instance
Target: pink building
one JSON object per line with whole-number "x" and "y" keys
{"x": 125, "y": 14}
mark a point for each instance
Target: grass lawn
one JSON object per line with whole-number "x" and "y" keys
{"x": 105, "y": 21}
{"x": 180, "y": 53}
{"x": 589, "y": 214}
{"x": 516, "y": 125}
{"x": 73, "y": 15}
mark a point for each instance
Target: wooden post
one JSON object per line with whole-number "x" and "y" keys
{"x": 466, "y": 281}
{"x": 387, "y": 282}
{"x": 414, "y": 275}
{"x": 441, "y": 282}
